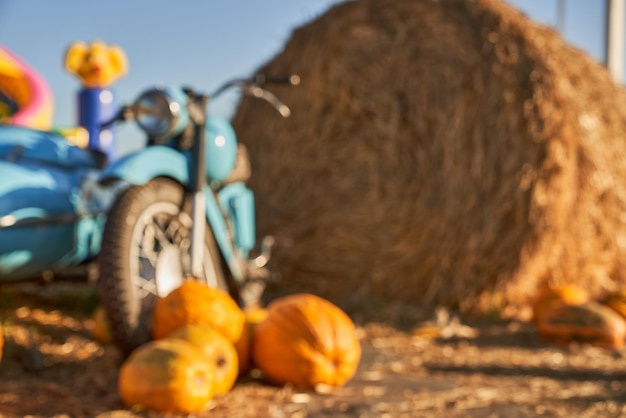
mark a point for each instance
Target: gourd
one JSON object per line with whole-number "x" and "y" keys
{"x": 616, "y": 301}
{"x": 549, "y": 297}
{"x": 305, "y": 341}
{"x": 101, "y": 330}
{"x": 243, "y": 346}
{"x": 591, "y": 323}
{"x": 1, "y": 341}
{"x": 195, "y": 303}
{"x": 167, "y": 375}
{"x": 218, "y": 349}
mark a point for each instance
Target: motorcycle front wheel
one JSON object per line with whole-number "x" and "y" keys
{"x": 145, "y": 255}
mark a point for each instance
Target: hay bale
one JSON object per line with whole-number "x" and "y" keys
{"x": 446, "y": 152}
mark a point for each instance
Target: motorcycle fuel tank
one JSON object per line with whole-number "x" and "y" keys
{"x": 220, "y": 149}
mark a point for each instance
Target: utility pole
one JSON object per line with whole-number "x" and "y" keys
{"x": 560, "y": 17}
{"x": 614, "y": 42}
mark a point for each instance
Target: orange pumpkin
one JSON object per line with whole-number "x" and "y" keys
{"x": 616, "y": 301}
{"x": 591, "y": 322}
{"x": 306, "y": 340}
{"x": 217, "y": 349}
{"x": 100, "y": 328}
{"x": 549, "y": 297}
{"x": 244, "y": 344}
{"x": 1, "y": 342}
{"x": 195, "y": 303}
{"x": 167, "y": 376}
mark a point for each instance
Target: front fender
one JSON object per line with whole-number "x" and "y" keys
{"x": 141, "y": 167}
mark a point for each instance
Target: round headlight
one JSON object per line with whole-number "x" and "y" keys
{"x": 159, "y": 114}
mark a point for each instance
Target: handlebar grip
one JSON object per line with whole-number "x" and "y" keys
{"x": 126, "y": 112}
{"x": 292, "y": 79}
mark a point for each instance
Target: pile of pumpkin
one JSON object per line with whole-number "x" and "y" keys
{"x": 566, "y": 314}
{"x": 203, "y": 341}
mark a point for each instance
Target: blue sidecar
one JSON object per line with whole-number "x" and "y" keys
{"x": 52, "y": 209}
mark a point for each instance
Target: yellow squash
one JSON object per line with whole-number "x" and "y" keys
{"x": 218, "y": 349}
{"x": 167, "y": 376}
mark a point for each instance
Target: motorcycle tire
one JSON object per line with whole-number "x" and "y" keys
{"x": 145, "y": 254}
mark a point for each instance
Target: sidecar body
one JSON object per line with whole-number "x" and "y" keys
{"x": 52, "y": 208}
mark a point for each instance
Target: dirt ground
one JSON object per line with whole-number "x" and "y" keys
{"x": 51, "y": 367}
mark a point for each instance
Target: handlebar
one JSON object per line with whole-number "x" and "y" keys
{"x": 269, "y": 97}
{"x": 126, "y": 112}
{"x": 257, "y": 81}
{"x": 292, "y": 79}
{"x": 249, "y": 86}
{"x": 252, "y": 87}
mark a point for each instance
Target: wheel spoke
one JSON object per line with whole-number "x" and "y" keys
{"x": 175, "y": 230}
{"x": 145, "y": 242}
{"x": 160, "y": 235}
{"x": 146, "y": 287}
{"x": 158, "y": 232}
{"x": 147, "y": 252}
{"x": 147, "y": 267}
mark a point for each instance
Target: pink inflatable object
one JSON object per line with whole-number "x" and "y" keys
{"x": 30, "y": 92}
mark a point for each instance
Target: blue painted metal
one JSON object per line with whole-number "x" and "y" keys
{"x": 161, "y": 161}
{"x": 43, "y": 148}
{"x": 183, "y": 116}
{"x": 238, "y": 200}
{"x": 220, "y": 150}
{"x": 43, "y": 200}
{"x": 157, "y": 161}
{"x": 43, "y": 225}
{"x": 215, "y": 217}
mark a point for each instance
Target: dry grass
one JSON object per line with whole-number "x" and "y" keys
{"x": 444, "y": 367}
{"x": 445, "y": 152}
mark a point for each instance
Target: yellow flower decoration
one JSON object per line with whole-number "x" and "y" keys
{"x": 96, "y": 65}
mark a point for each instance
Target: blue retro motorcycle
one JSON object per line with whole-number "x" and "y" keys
{"x": 177, "y": 209}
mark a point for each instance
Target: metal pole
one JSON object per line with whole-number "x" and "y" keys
{"x": 560, "y": 17}
{"x": 198, "y": 208}
{"x": 615, "y": 17}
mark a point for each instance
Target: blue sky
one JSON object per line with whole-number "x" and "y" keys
{"x": 201, "y": 42}
{"x": 196, "y": 42}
